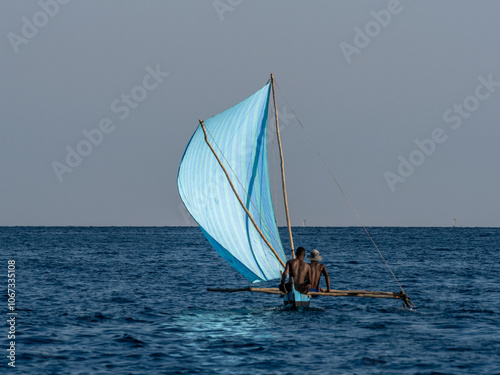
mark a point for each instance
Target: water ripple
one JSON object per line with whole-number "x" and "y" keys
{"x": 133, "y": 300}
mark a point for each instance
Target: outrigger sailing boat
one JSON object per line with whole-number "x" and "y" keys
{"x": 224, "y": 183}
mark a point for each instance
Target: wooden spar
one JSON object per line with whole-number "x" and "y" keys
{"x": 282, "y": 170}
{"x": 239, "y": 199}
{"x": 333, "y": 293}
{"x": 357, "y": 293}
{"x": 247, "y": 289}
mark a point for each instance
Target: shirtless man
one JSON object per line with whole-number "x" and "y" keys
{"x": 317, "y": 269}
{"x": 300, "y": 271}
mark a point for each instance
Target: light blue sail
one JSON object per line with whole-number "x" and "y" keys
{"x": 239, "y": 137}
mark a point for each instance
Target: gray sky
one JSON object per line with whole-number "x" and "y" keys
{"x": 367, "y": 79}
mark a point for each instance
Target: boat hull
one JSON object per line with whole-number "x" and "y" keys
{"x": 294, "y": 300}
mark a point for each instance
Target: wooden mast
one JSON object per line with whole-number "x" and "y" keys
{"x": 239, "y": 199}
{"x": 282, "y": 170}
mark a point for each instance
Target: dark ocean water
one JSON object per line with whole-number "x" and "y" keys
{"x": 133, "y": 301}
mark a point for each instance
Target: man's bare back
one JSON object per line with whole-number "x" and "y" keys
{"x": 317, "y": 269}
{"x": 300, "y": 271}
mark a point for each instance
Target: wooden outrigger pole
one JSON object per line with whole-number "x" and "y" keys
{"x": 334, "y": 293}
{"x": 239, "y": 199}
{"x": 282, "y": 170}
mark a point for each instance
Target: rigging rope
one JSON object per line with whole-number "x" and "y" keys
{"x": 340, "y": 188}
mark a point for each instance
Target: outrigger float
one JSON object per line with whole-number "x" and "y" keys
{"x": 223, "y": 181}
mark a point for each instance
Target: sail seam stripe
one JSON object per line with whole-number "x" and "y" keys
{"x": 239, "y": 119}
{"x": 237, "y": 179}
{"x": 222, "y": 153}
{"x": 248, "y": 213}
